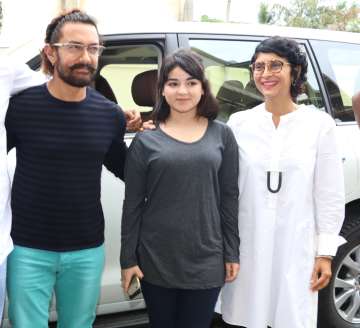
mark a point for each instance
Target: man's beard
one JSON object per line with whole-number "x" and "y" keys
{"x": 70, "y": 78}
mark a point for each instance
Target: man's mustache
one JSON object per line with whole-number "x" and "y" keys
{"x": 89, "y": 67}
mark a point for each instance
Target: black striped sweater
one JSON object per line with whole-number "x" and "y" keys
{"x": 60, "y": 149}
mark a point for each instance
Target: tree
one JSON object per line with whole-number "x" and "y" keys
{"x": 264, "y": 15}
{"x": 309, "y": 13}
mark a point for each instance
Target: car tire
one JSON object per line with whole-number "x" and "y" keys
{"x": 344, "y": 284}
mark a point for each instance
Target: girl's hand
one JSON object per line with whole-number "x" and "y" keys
{"x": 231, "y": 270}
{"x": 127, "y": 274}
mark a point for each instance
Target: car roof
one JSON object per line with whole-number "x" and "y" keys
{"x": 260, "y": 30}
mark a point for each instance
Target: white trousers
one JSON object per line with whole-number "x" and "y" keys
{"x": 2, "y": 288}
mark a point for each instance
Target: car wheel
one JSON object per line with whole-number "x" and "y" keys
{"x": 339, "y": 303}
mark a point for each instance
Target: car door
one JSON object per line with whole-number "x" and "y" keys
{"x": 339, "y": 65}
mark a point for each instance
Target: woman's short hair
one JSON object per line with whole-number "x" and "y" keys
{"x": 53, "y": 32}
{"x": 191, "y": 63}
{"x": 291, "y": 51}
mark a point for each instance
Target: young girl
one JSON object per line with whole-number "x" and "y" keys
{"x": 291, "y": 204}
{"x": 179, "y": 226}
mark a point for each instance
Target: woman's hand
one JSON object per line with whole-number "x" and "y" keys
{"x": 231, "y": 270}
{"x": 321, "y": 274}
{"x": 127, "y": 274}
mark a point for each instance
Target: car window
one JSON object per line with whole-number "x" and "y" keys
{"x": 340, "y": 66}
{"x": 227, "y": 68}
{"x": 120, "y": 66}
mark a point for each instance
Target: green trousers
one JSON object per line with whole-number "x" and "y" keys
{"x": 75, "y": 277}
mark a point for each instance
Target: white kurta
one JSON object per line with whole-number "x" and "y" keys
{"x": 13, "y": 79}
{"x": 282, "y": 232}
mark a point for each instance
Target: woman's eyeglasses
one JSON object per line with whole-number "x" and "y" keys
{"x": 273, "y": 66}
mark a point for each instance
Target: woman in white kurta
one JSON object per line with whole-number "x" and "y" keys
{"x": 291, "y": 198}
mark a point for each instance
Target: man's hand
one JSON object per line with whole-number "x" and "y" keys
{"x": 133, "y": 120}
{"x": 321, "y": 274}
{"x": 231, "y": 270}
{"x": 127, "y": 274}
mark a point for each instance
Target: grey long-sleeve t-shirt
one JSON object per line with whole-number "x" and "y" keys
{"x": 180, "y": 215}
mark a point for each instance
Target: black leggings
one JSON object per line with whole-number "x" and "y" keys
{"x": 179, "y": 308}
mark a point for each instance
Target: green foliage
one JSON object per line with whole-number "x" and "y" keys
{"x": 206, "y": 18}
{"x": 309, "y": 13}
{"x": 265, "y": 16}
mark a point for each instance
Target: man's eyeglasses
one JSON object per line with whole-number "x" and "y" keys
{"x": 78, "y": 48}
{"x": 273, "y": 66}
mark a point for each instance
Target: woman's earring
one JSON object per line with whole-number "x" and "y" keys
{"x": 294, "y": 82}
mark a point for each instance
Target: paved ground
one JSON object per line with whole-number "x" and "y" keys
{"x": 214, "y": 325}
{"x": 134, "y": 319}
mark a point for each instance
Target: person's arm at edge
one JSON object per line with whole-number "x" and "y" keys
{"x": 23, "y": 77}
{"x": 356, "y": 107}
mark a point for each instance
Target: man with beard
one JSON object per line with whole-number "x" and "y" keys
{"x": 64, "y": 132}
